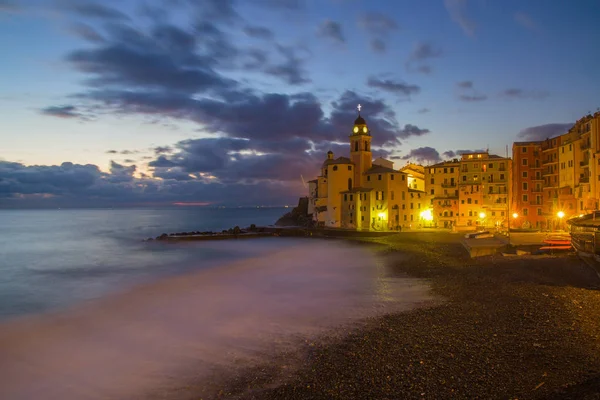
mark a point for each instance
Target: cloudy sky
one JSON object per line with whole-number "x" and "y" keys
{"x": 153, "y": 102}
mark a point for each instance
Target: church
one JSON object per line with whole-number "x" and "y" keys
{"x": 360, "y": 193}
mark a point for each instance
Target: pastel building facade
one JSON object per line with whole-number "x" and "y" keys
{"x": 359, "y": 193}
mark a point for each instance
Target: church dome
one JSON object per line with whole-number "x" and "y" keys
{"x": 359, "y": 121}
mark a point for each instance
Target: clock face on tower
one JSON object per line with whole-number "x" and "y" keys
{"x": 364, "y": 129}
{"x": 356, "y": 129}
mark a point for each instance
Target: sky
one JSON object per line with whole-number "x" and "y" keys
{"x": 223, "y": 102}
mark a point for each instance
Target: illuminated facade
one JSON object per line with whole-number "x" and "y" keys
{"x": 570, "y": 177}
{"x": 359, "y": 193}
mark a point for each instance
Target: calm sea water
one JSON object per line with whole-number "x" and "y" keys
{"x": 89, "y": 311}
{"x": 50, "y": 259}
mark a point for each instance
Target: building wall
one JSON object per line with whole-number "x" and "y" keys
{"x": 339, "y": 176}
{"x": 441, "y": 187}
{"x": 528, "y": 196}
{"x": 362, "y": 158}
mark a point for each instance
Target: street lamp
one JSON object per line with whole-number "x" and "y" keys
{"x": 515, "y": 215}
{"x": 560, "y": 216}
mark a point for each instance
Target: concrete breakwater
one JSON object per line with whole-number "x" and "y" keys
{"x": 266, "y": 231}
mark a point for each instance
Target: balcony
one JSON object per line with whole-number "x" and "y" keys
{"x": 449, "y": 185}
{"x": 584, "y": 163}
{"x": 584, "y": 180}
{"x": 585, "y": 146}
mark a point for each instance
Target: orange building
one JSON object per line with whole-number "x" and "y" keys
{"x": 527, "y": 207}
{"x": 441, "y": 184}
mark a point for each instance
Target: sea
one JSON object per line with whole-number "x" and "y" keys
{"x": 89, "y": 310}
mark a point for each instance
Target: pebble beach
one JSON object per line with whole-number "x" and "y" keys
{"x": 503, "y": 328}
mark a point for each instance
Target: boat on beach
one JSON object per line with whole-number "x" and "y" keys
{"x": 585, "y": 237}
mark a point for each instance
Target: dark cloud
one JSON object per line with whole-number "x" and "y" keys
{"x": 392, "y": 86}
{"x": 163, "y": 150}
{"x": 86, "y": 32}
{"x": 423, "y": 110}
{"x": 71, "y": 185}
{"x": 291, "y": 70}
{"x": 62, "y": 112}
{"x": 292, "y": 5}
{"x": 412, "y": 130}
{"x": 457, "y": 11}
{"x": 468, "y": 92}
{"x": 332, "y": 30}
{"x": 542, "y": 132}
{"x": 472, "y": 97}
{"x": 128, "y": 161}
{"x": 93, "y": 10}
{"x": 111, "y": 152}
{"x": 121, "y": 173}
{"x": 378, "y": 46}
{"x": 259, "y": 32}
{"x": 377, "y": 23}
{"x": 424, "y": 51}
{"x": 514, "y": 93}
{"x": 423, "y": 154}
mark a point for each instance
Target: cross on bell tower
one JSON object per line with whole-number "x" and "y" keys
{"x": 360, "y": 148}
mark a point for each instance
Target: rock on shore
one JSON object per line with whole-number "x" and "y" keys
{"x": 298, "y": 216}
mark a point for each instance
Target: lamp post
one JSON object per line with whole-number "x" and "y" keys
{"x": 482, "y": 218}
{"x": 560, "y": 216}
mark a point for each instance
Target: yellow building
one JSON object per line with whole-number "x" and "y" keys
{"x": 359, "y": 193}
{"x": 470, "y": 192}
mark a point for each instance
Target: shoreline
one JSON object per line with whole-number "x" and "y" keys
{"x": 523, "y": 328}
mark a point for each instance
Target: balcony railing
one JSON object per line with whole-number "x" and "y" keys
{"x": 448, "y": 185}
{"x": 584, "y": 163}
{"x": 584, "y": 180}
{"x": 585, "y": 146}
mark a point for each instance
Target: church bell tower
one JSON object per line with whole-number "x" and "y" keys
{"x": 360, "y": 149}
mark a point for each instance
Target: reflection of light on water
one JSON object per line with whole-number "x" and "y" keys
{"x": 125, "y": 345}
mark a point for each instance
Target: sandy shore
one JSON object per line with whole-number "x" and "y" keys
{"x": 526, "y": 328}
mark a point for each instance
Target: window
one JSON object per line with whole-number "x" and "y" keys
{"x": 524, "y": 161}
{"x": 539, "y": 211}
{"x": 404, "y": 206}
{"x": 403, "y": 177}
{"x": 475, "y": 177}
{"x": 524, "y": 149}
{"x": 598, "y": 179}
{"x": 476, "y": 166}
{"x": 349, "y": 167}
{"x": 412, "y": 206}
{"x": 432, "y": 181}
{"x": 411, "y": 217}
{"x": 525, "y": 212}
{"x": 501, "y": 176}
{"x": 476, "y": 201}
{"x": 462, "y": 201}
{"x": 451, "y": 170}
{"x": 502, "y": 213}
{"x": 469, "y": 200}
{"x": 335, "y": 167}
{"x": 490, "y": 165}
{"x": 351, "y": 198}
{"x": 445, "y": 170}
{"x": 470, "y": 213}
{"x": 362, "y": 218}
{"x": 464, "y": 178}
{"x": 355, "y": 146}
{"x": 524, "y": 174}
{"x": 345, "y": 197}
{"x": 405, "y": 217}
{"x": 525, "y": 186}
{"x": 419, "y": 205}
{"x": 392, "y": 176}
{"x": 378, "y": 177}
{"x": 525, "y": 197}
{"x": 392, "y": 195}
{"x": 368, "y": 177}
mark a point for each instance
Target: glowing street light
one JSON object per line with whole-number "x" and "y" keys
{"x": 515, "y": 215}
{"x": 426, "y": 215}
{"x": 560, "y": 214}
{"x": 482, "y": 215}
{"x": 381, "y": 215}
